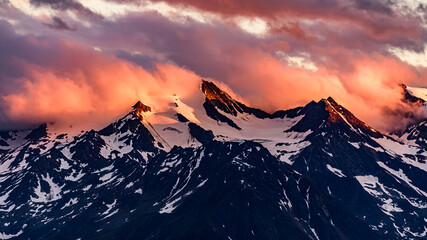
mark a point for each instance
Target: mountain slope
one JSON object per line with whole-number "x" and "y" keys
{"x": 238, "y": 191}
{"x": 347, "y": 154}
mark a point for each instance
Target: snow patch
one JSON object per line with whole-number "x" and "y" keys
{"x": 335, "y": 171}
{"x": 43, "y": 197}
{"x": 401, "y": 175}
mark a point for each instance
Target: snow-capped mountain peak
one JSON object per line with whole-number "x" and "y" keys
{"x": 220, "y": 98}
{"x": 313, "y": 172}
{"x": 338, "y": 113}
{"x": 212, "y": 92}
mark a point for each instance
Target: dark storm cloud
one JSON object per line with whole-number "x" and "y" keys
{"x": 59, "y": 24}
{"x": 64, "y": 5}
{"x": 377, "y": 17}
{"x": 376, "y": 6}
{"x": 202, "y": 47}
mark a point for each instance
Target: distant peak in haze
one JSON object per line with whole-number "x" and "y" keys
{"x": 139, "y": 108}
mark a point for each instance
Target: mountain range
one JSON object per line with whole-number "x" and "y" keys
{"x": 222, "y": 170}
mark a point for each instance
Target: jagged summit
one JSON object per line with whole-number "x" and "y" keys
{"x": 408, "y": 97}
{"x": 328, "y": 113}
{"x": 317, "y": 113}
{"x": 212, "y": 92}
{"x": 216, "y": 98}
{"x": 221, "y": 99}
{"x": 139, "y": 105}
{"x": 139, "y": 108}
{"x": 338, "y": 113}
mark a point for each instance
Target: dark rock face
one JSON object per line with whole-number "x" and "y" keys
{"x": 212, "y": 92}
{"x": 417, "y": 133}
{"x": 338, "y": 140}
{"x": 213, "y": 113}
{"x": 328, "y": 113}
{"x": 237, "y": 190}
{"x": 409, "y": 98}
{"x": 37, "y": 133}
{"x": 202, "y": 135}
{"x": 3, "y": 143}
{"x": 181, "y": 118}
{"x": 216, "y": 100}
{"x": 338, "y": 113}
{"x": 221, "y": 100}
{"x": 331, "y": 150}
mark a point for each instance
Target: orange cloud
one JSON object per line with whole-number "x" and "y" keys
{"x": 50, "y": 80}
{"x": 95, "y": 94}
{"x": 376, "y": 17}
{"x": 370, "y": 89}
{"x": 94, "y": 89}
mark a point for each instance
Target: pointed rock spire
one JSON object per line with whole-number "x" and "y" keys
{"x": 139, "y": 108}
{"x": 338, "y": 113}
{"x": 212, "y": 92}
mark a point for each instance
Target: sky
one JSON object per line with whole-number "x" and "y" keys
{"x": 88, "y": 61}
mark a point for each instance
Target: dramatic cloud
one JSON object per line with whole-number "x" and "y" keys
{"x": 378, "y": 17}
{"x": 308, "y": 51}
{"x": 63, "y": 5}
{"x": 58, "y": 23}
{"x": 367, "y": 83}
{"x": 61, "y": 82}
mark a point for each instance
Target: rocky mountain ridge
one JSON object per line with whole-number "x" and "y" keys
{"x": 313, "y": 172}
